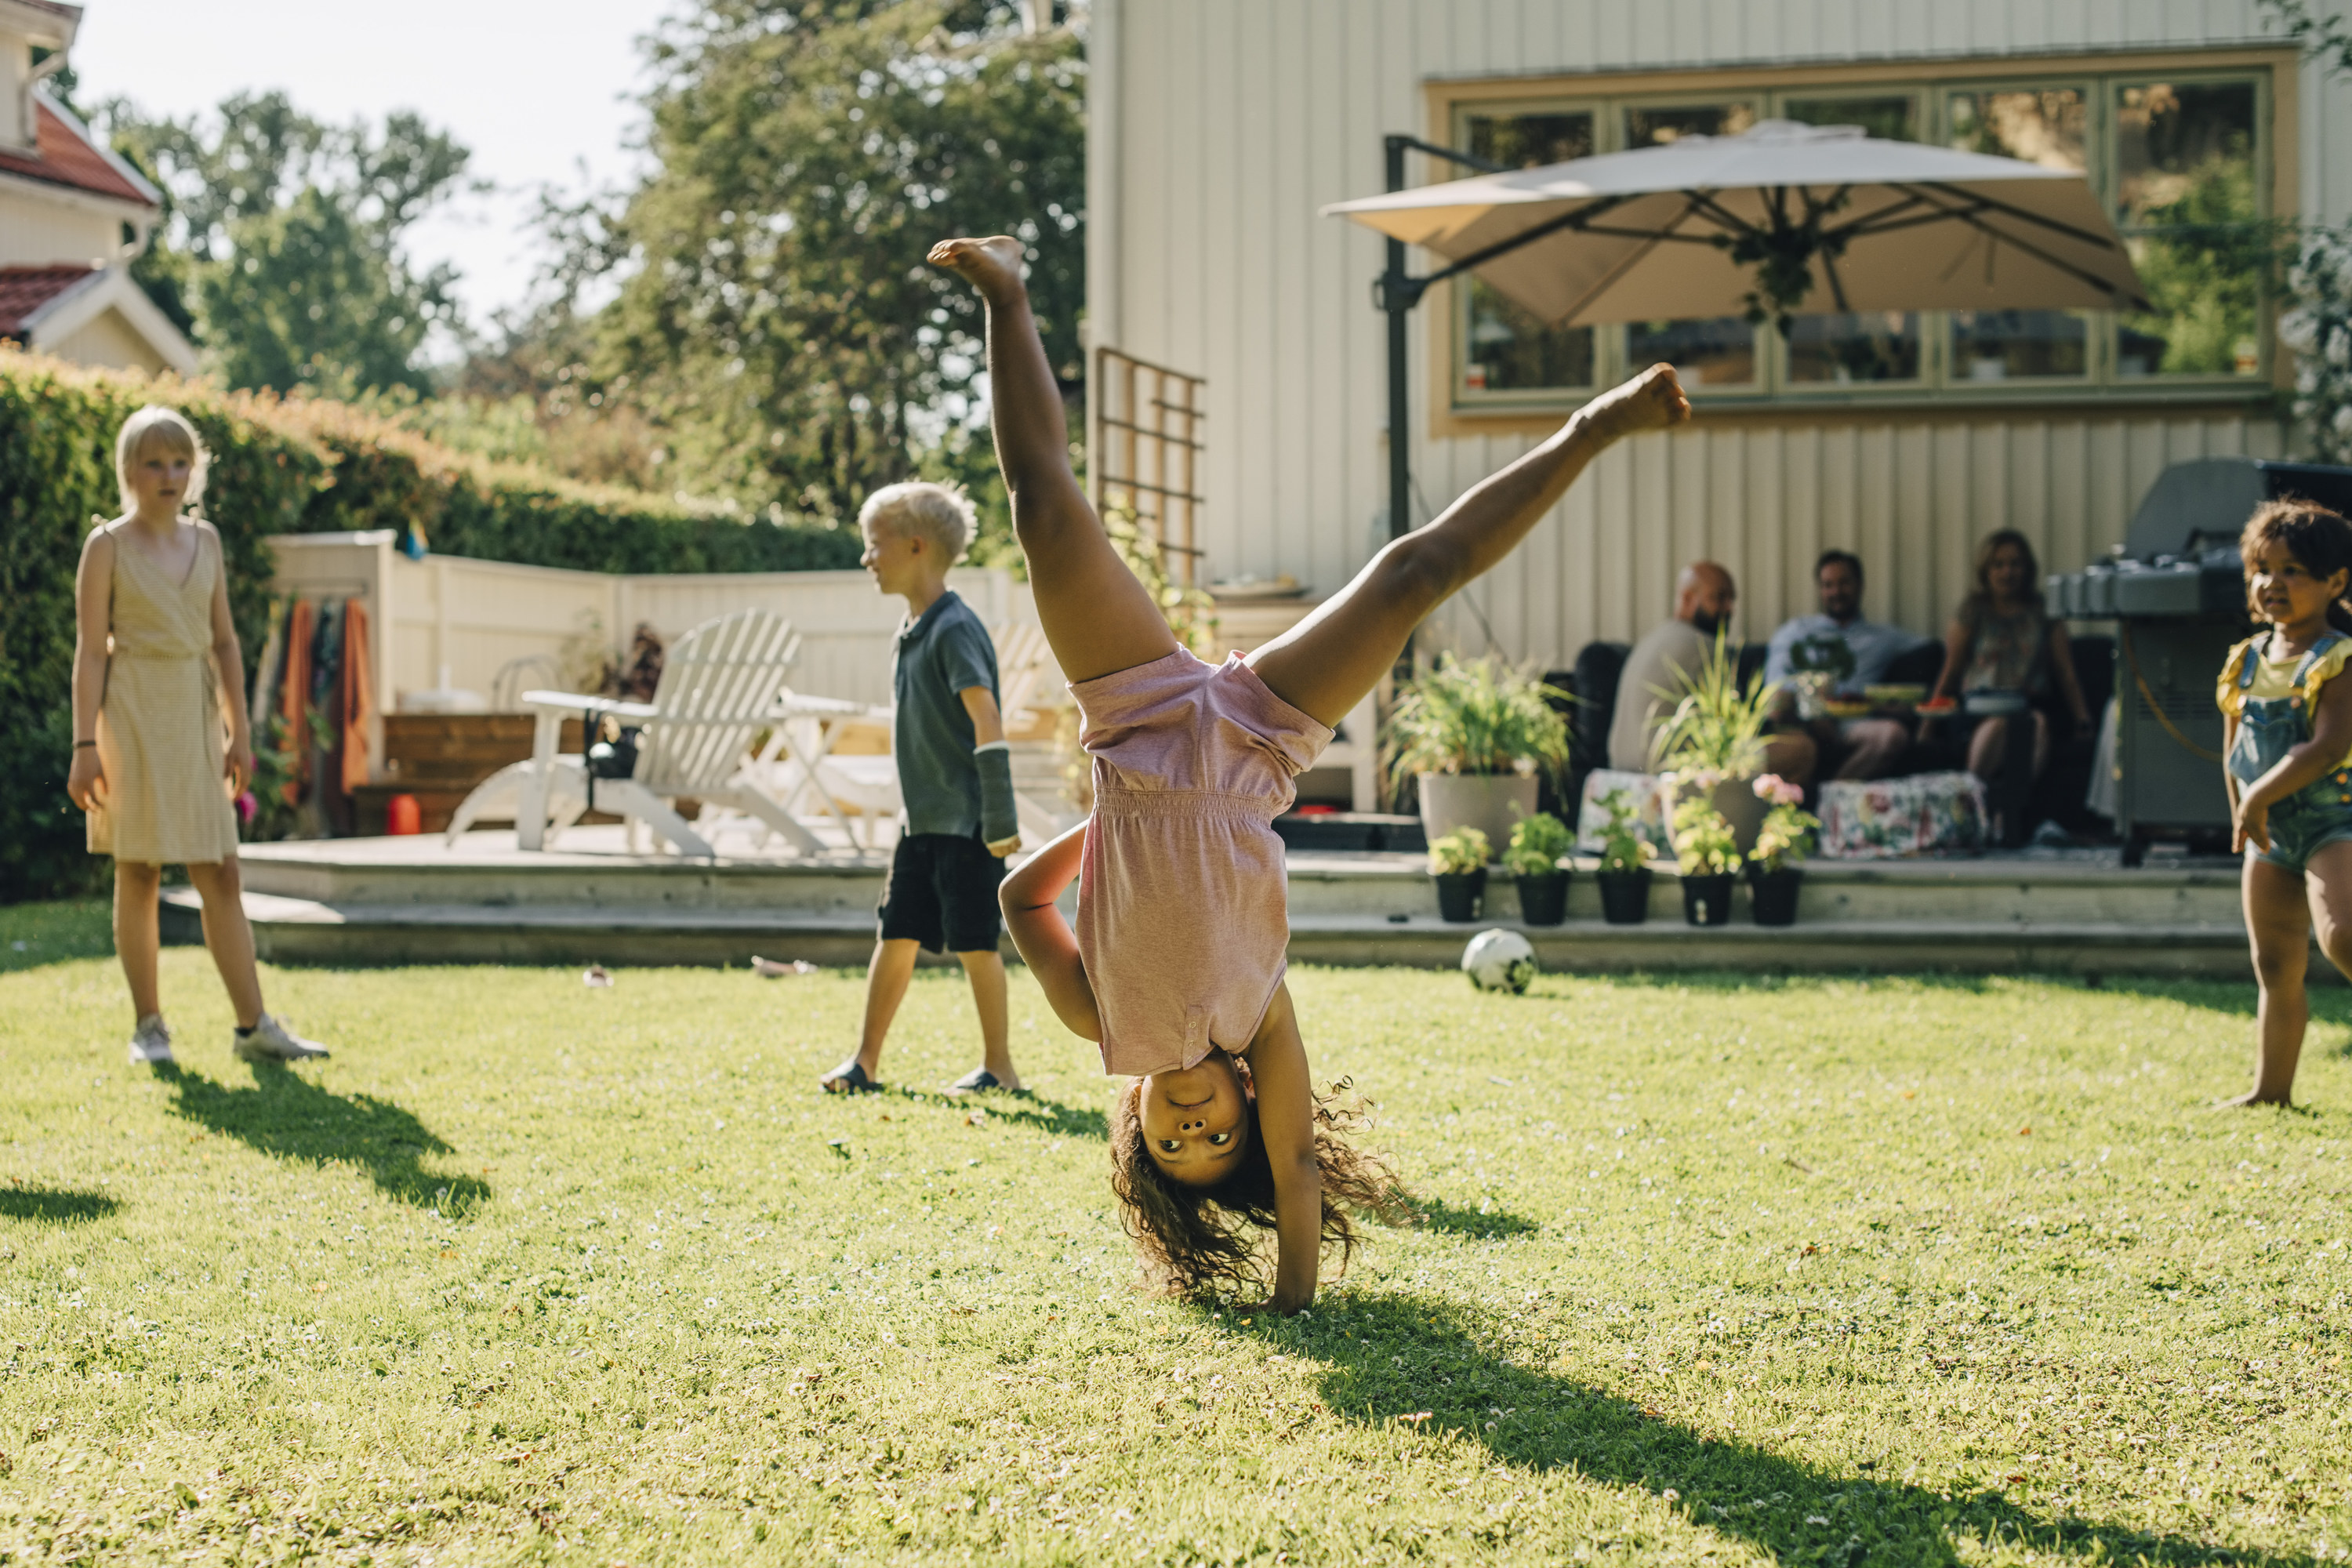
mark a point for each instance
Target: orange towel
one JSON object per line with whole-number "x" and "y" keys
{"x": 359, "y": 694}
{"x": 294, "y": 695}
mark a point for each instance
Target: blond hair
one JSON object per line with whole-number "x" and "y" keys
{"x": 157, "y": 429}
{"x": 940, "y": 514}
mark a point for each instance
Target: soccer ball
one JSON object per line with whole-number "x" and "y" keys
{"x": 1499, "y": 960}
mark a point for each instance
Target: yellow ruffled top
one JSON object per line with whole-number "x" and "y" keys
{"x": 2275, "y": 679}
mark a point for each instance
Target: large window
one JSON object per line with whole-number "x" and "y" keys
{"x": 2180, "y": 159}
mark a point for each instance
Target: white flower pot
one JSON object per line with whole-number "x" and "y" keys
{"x": 1492, "y": 803}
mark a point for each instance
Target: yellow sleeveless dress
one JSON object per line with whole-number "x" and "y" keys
{"x": 161, "y": 734}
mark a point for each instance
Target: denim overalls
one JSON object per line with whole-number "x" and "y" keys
{"x": 2321, "y": 812}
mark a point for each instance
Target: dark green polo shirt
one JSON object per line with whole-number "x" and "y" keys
{"x": 942, "y": 652}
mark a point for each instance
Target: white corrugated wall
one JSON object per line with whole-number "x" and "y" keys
{"x": 1220, "y": 127}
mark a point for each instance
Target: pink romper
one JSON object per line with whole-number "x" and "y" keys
{"x": 1183, "y": 911}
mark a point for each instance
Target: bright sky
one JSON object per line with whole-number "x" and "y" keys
{"x": 535, "y": 88}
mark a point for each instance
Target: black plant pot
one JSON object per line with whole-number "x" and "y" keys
{"x": 1776, "y": 895}
{"x": 1543, "y": 900}
{"x": 1707, "y": 901}
{"x": 1461, "y": 895}
{"x": 1624, "y": 897}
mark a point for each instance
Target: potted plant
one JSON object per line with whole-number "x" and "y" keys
{"x": 1775, "y": 868}
{"x": 1538, "y": 862}
{"x": 1718, "y": 730}
{"x": 1708, "y": 854}
{"x": 1625, "y": 875}
{"x": 1474, "y": 734}
{"x": 1458, "y": 862}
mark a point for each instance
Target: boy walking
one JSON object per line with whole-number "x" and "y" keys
{"x": 955, "y": 775}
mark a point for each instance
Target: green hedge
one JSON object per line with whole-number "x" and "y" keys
{"x": 300, "y": 466}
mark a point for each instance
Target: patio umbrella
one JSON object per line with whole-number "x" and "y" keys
{"x": 1786, "y": 218}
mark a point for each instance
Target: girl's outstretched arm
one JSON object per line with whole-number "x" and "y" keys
{"x": 1285, "y": 1119}
{"x": 1044, "y": 937}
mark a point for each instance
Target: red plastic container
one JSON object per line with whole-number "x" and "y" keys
{"x": 400, "y": 816}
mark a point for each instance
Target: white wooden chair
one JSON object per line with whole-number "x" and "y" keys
{"x": 719, "y": 690}
{"x": 800, "y": 758}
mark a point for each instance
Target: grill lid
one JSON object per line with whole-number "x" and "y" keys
{"x": 2208, "y": 500}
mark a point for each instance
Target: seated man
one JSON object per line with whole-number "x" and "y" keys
{"x": 1703, "y": 597}
{"x": 1856, "y": 653}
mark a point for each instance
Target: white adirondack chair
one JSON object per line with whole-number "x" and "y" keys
{"x": 868, "y": 785}
{"x": 719, "y": 690}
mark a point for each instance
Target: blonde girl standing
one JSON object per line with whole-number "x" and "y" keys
{"x": 156, "y": 665}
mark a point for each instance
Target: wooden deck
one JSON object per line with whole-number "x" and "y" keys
{"x": 402, "y": 900}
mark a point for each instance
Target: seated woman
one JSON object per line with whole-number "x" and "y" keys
{"x": 2002, "y": 639}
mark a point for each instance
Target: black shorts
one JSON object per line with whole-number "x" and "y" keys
{"x": 942, "y": 892}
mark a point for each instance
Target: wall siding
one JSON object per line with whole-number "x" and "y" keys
{"x": 1228, "y": 124}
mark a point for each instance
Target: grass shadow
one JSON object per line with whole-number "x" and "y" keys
{"x": 1422, "y": 1354}
{"x": 288, "y": 1117}
{"x": 1031, "y": 1110}
{"x": 55, "y": 1205}
{"x": 1455, "y": 1220}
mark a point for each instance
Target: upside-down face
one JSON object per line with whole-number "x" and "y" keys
{"x": 1196, "y": 1122}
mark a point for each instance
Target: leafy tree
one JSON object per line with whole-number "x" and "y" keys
{"x": 281, "y": 244}
{"x": 776, "y": 304}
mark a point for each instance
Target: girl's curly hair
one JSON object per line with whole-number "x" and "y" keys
{"x": 2320, "y": 539}
{"x": 1197, "y": 1240}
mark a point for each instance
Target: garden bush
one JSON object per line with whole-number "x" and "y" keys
{"x": 277, "y": 466}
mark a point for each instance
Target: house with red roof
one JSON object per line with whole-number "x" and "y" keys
{"x": 73, "y": 215}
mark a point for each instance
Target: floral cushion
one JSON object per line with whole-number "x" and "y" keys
{"x": 1882, "y": 819}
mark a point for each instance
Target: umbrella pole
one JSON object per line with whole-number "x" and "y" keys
{"x": 1398, "y": 297}
{"x": 1396, "y": 293}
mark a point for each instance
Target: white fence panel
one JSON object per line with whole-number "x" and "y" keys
{"x": 451, "y": 620}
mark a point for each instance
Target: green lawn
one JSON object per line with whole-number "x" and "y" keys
{"x": 1891, "y": 1271}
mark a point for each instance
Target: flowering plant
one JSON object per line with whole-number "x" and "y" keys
{"x": 1704, "y": 844}
{"x": 1622, "y": 847}
{"x": 2319, "y": 330}
{"x": 1538, "y": 844}
{"x": 1787, "y": 835}
{"x": 1460, "y": 852}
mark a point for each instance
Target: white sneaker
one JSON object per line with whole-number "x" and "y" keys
{"x": 271, "y": 1041}
{"x": 151, "y": 1040}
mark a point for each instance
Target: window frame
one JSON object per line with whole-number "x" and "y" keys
{"x": 1457, "y": 292}
{"x": 1928, "y": 84}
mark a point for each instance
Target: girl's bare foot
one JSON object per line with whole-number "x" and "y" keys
{"x": 993, "y": 265}
{"x": 2249, "y": 1099}
{"x": 1652, "y": 400}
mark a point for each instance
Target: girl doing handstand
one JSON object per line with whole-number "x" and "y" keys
{"x": 1175, "y": 968}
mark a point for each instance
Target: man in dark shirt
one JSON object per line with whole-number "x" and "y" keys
{"x": 955, "y": 779}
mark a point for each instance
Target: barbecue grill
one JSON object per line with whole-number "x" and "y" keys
{"x": 2177, "y": 592}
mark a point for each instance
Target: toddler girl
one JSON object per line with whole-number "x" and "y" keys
{"x": 1176, "y": 966}
{"x": 156, "y": 665}
{"x": 2289, "y": 724}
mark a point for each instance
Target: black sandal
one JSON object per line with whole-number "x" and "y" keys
{"x": 979, "y": 1080}
{"x": 847, "y": 1078}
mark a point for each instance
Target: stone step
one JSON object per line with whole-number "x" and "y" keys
{"x": 301, "y": 930}
{"x": 487, "y": 871}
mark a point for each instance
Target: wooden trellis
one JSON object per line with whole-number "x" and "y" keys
{"x": 1147, "y": 450}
